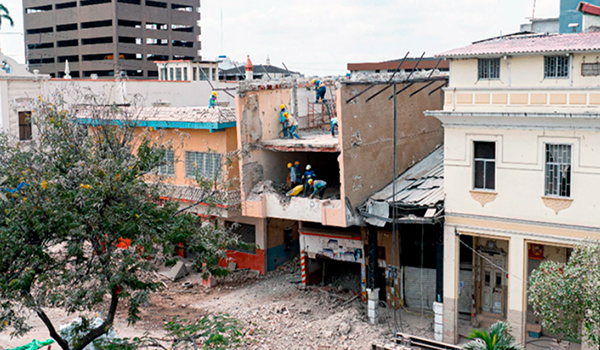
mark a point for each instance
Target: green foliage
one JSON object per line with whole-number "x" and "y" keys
{"x": 88, "y": 190}
{"x": 566, "y": 297}
{"x": 497, "y": 338}
{"x": 5, "y": 15}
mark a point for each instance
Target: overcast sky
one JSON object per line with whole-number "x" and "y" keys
{"x": 319, "y": 37}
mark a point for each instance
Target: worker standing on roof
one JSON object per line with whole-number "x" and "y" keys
{"x": 309, "y": 174}
{"x": 293, "y": 125}
{"x": 320, "y": 87}
{"x": 293, "y": 175}
{"x": 213, "y": 100}
{"x": 318, "y": 186}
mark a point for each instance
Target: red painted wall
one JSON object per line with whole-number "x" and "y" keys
{"x": 247, "y": 261}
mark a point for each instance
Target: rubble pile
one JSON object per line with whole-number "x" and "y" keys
{"x": 268, "y": 186}
{"x": 399, "y": 77}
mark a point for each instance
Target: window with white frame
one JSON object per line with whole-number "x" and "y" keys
{"x": 206, "y": 164}
{"x": 168, "y": 167}
{"x": 488, "y": 68}
{"x": 484, "y": 174}
{"x": 558, "y": 170}
{"x": 556, "y": 66}
{"x": 185, "y": 73}
{"x": 590, "y": 69}
{"x": 177, "y": 73}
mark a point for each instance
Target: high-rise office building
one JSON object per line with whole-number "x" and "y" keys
{"x": 110, "y": 37}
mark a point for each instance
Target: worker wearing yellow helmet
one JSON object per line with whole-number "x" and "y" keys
{"x": 292, "y": 125}
{"x": 213, "y": 100}
{"x": 321, "y": 89}
{"x": 283, "y": 120}
{"x": 318, "y": 186}
{"x": 293, "y": 175}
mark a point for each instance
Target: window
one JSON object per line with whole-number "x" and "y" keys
{"x": 558, "y": 170}
{"x": 40, "y": 30}
{"x": 556, "y": 66}
{"x": 67, "y": 43}
{"x": 185, "y": 8}
{"x": 65, "y": 5}
{"x": 171, "y": 76}
{"x": 177, "y": 73}
{"x": 246, "y": 234}
{"x": 590, "y": 69}
{"x": 134, "y": 2}
{"x": 71, "y": 58}
{"x": 182, "y": 28}
{"x": 24, "y": 126}
{"x": 93, "y": 2}
{"x": 485, "y": 165}
{"x": 38, "y": 9}
{"x": 203, "y": 73}
{"x": 94, "y": 41}
{"x": 194, "y": 73}
{"x": 163, "y": 74}
{"x": 66, "y": 27}
{"x": 97, "y": 24}
{"x": 156, "y": 4}
{"x": 207, "y": 164}
{"x": 97, "y": 57}
{"x": 130, "y": 24}
{"x": 185, "y": 73}
{"x": 214, "y": 74}
{"x": 169, "y": 167}
{"x": 40, "y": 46}
{"x": 488, "y": 68}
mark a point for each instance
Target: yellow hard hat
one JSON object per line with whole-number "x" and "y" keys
{"x": 313, "y": 81}
{"x": 310, "y": 182}
{"x": 282, "y": 106}
{"x": 214, "y": 93}
{"x": 289, "y": 165}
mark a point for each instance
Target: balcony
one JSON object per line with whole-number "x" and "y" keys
{"x": 543, "y": 100}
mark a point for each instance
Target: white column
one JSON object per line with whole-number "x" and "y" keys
{"x": 451, "y": 266}
{"x": 517, "y": 284}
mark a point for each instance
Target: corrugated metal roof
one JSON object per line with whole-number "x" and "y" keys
{"x": 529, "y": 43}
{"x": 421, "y": 185}
{"x": 218, "y": 115}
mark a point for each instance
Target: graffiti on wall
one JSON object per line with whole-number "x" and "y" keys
{"x": 337, "y": 248}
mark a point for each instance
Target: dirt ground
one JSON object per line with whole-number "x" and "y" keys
{"x": 275, "y": 311}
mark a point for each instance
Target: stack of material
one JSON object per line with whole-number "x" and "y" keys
{"x": 438, "y": 327}
{"x": 373, "y": 300}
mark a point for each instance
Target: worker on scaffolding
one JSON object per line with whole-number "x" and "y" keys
{"x": 318, "y": 186}
{"x": 213, "y": 100}
{"x": 292, "y": 125}
{"x": 320, "y": 87}
{"x": 309, "y": 175}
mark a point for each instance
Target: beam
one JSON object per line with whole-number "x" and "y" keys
{"x": 401, "y": 90}
{"x": 389, "y": 81}
{"x": 421, "y": 88}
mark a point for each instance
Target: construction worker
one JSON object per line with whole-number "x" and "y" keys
{"x": 297, "y": 167}
{"x": 320, "y": 87}
{"x": 334, "y": 125}
{"x": 318, "y": 186}
{"x": 283, "y": 120}
{"x": 292, "y": 124}
{"x": 213, "y": 100}
{"x": 293, "y": 175}
{"x": 309, "y": 174}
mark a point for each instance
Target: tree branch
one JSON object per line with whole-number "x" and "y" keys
{"x": 42, "y": 315}
{"x": 108, "y": 322}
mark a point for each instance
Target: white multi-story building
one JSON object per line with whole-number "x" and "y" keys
{"x": 522, "y": 169}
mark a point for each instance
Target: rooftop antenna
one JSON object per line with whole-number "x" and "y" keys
{"x": 533, "y": 11}
{"x": 222, "y": 52}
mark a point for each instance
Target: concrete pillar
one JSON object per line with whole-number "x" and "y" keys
{"x": 451, "y": 266}
{"x": 517, "y": 284}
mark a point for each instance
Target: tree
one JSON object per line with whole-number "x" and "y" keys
{"x": 4, "y": 14}
{"x": 89, "y": 221}
{"x": 566, "y": 296}
{"x": 498, "y": 338}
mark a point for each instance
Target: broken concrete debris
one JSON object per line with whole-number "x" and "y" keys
{"x": 176, "y": 272}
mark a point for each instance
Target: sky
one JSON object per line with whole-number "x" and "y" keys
{"x": 320, "y": 37}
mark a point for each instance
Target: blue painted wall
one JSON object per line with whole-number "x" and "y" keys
{"x": 569, "y": 14}
{"x": 278, "y": 255}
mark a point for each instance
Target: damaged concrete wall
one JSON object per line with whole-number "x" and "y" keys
{"x": 282, "y": 242}
{"x": 257, "y": 114}
{"x": 366, "y": 134}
